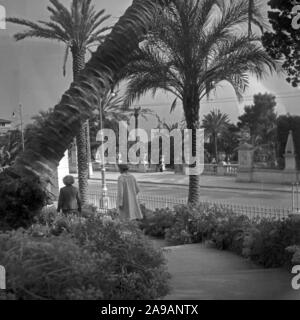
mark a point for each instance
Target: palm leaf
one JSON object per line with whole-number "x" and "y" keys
{"x": 173, "y": 106}
{"x": 66, "y": 55}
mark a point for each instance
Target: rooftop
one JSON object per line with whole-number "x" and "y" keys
{"x": 4, "y": 121}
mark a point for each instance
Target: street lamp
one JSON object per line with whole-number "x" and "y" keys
{"x": 104, "y": 200}
{"x": 104, "y": 192}
{"x": 88, "y": 147}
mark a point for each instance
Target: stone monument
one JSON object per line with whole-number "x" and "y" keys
{"x": 290, "y": 156}
{"x": 290, "y": 168}
{"x": 245, "y": 155}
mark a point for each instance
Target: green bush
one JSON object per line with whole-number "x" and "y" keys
{"x": 156, "y": 223}
{"x": 262, "y": 241}
{"x": 229, "y": 232}
{"x": 93, "y": 258}
{"x": 194, "y": 224}
{"x": 295, "y": 252}
{"x": 265, "y": 242}
{"x": 20, "y": 201}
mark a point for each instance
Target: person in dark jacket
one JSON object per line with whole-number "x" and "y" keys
{"x": 69, "y": 200}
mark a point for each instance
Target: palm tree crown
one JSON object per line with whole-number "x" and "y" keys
{"x": 80, "y": 28}
{"x": 194, "y": 46}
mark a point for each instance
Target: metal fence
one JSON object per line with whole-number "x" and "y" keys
{"x": 152, "y": 202}
{"x": 221, "y": 170}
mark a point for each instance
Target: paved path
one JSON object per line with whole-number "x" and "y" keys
{"x": 214, "y": 189}
{"x": 203, "y": 273}
{"x": 169, "y": 178}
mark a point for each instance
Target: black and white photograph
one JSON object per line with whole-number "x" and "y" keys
{"x": 149, "y": 153}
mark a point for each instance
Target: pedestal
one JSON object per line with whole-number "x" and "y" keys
{"x": 290, "y": 162}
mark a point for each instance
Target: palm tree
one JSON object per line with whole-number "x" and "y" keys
{"x": 80, "y": 28}
{"x": 194, "y": 47}
{"x": 215, "y": 124}
{"x": 44, "y": 150}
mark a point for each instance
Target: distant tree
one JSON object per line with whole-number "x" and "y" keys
{"x": 284, "y": 41}
{"x": 170, "y": 126}
{"x": 38, "y": 121}
{"x": 260, "y": 119}
{"x": 229, "y": 141}
{"x": 113, "y": 111}
{"x": 215, "y": 124}
{"x": 10, "y": 148}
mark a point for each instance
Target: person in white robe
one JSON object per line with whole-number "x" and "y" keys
{"x": 128, "y": 189}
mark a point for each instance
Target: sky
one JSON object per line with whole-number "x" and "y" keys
{"x": 31, "y": 73}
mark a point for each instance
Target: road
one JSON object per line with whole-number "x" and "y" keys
{"x": 275, "y": 199}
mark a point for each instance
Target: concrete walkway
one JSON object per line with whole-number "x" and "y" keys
{"x": 200, "y": 272}
{"x": 215, "y": 182}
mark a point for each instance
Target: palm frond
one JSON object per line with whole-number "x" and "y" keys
{"x": 66, "y": 55}
{"x": 198, "y": 44}
{"x": 173, "y": 106}
{"x": 35, "y": 30}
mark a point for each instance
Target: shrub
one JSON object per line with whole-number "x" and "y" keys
{"x": 295, "y": 252}
{"x": 91, "y": 259}
{"x": 229, "y": 232}
{"x": 138, "y": 268}
{"x": 194, "y": 224}
{"x": 156, "y": 223}
{"x": 265, "y": 242}
{"x": 20, "y": 201}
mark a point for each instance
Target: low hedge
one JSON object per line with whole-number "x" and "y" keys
{"x": 270, "y": 243}
{"x": 81, "y": 258}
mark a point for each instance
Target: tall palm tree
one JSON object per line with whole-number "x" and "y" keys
{"x": 196, "y": 45}
{"x": 215, "y": 124}
{"x": 44, "y": 150}
{"x": 80, "y": 28}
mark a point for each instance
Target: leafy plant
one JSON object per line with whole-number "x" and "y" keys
{"x": 264, "y": 241}
{"x": 20, "y": 201}
{"x": 92, "y": 258}
{"x": 156, "y": 223}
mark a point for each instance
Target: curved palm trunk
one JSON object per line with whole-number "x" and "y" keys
{"x": 44, "y": 150}
{"x": 81, "y": 138}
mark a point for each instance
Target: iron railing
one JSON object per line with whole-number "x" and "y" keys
{"x": 153, "y": 202}
{"x": 221, "y": 170}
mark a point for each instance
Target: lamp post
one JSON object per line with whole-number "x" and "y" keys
{"x": 88, "y": 147}
{"x": 104, "y": 201}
